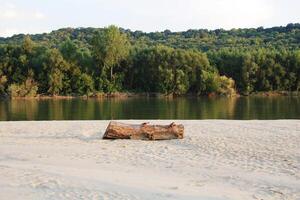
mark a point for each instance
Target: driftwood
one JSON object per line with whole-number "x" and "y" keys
{"x": 117, "y": 130}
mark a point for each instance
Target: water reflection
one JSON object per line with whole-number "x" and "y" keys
{"x": 152, "y": 108}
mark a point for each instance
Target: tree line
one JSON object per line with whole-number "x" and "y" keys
{"x": 91, "y": 61}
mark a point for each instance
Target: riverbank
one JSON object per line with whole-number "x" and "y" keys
{"x": 216, "y": 160}
{"x": 155, "y": 95}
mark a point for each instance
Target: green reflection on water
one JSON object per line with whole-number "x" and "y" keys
{"x": 152, "y": 108}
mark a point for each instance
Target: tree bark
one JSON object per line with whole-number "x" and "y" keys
{"x": 117, "y": 130}
{"x": 111, "y": 74}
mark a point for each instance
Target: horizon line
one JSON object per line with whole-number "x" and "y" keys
{"x": 147, "y": 32}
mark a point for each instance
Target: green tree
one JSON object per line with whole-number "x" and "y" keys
{"x": 248, "y": 74}
{"x": 56, "y": 67}
{"x": 68, "y": 50}
{"x": 110, "y": 47}
{"x": 28, "y": 45}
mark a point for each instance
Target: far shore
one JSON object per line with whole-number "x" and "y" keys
{"x": 156, "y": 95}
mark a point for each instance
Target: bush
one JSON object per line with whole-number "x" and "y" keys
{"x": 27, "y": 89}
{"x": 227, "y": 86}
{"x": 209, "y": 82}
{"x": 214, "y": 83}
{"x": 87, "y": 84}
{"x": 3, "y": 81}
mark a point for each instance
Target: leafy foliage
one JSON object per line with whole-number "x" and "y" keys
{"x": 84, "y": 61}
{"x": 27, "y": 89}
{"x": 110, "y": 47}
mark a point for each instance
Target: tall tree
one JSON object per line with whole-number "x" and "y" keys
{"x": 110, "y": 47}
{"x": 55, "y": 66}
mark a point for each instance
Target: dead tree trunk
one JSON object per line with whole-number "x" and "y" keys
{"x": 117, "y": 130}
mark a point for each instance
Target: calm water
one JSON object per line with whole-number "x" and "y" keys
{"x": 152, "y": 108}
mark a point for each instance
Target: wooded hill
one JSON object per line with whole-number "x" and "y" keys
{"x": 85, "y": 61}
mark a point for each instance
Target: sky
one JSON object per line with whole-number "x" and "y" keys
{"x": 39, "y": 16}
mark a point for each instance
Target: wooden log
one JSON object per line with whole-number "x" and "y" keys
{"x": 144, "y": 131}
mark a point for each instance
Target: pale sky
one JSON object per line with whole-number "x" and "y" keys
{"x": 38, "y": 16}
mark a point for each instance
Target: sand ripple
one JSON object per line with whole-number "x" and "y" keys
{"x": 217, "y": 160}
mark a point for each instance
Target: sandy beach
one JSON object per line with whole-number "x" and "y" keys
{"x": 217, "y": 160}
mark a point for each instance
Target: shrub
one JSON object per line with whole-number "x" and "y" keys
{"x": 214, "y": 83}
{"x": 227, "y": 86}
{"x": 209, "y": 82}
{"x": 27, "y": 89}
{"x": 3, "y": 81}
{"x": 86, "y": 84}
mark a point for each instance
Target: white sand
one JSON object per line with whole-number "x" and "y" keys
{"x": 217, "y": 160}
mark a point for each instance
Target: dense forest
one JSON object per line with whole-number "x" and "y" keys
{"x": 91, "y": 61}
